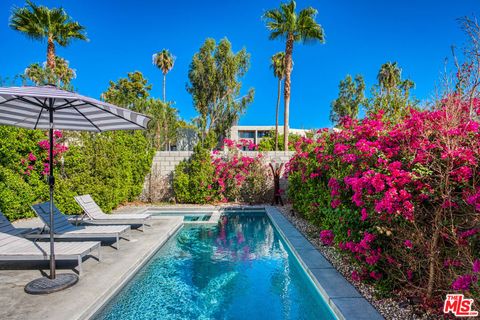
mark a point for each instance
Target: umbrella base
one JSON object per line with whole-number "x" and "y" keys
{"x": 46, "y": 285}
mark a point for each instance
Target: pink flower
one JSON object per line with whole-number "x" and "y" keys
{"x": 335, "y": 203}
{"x": 340, "y": 149}
{"x": 463, "y": 282}
{"x": 375, "y": 275}
{"x": 408, "y": 244}
{"x": 31, "y": 157}
{"x": 476, "y": 266}
{"x": 364, "y": 214}
{"x": 57, "y": 134}
{"x": 468, "y": 233}
{"x": 355, "y": 276}
{"x": 409, "y": 275}
{"x": 327, "y": 236}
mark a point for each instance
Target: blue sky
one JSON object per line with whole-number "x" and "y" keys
{"x": 361, "y": 35}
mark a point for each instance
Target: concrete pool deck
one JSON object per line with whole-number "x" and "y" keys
{"x": 98, "y": 282}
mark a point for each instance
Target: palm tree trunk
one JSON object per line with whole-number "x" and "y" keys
{"x": 288, "y": 72}
{"x": 276, "y": 112}
{"x": 164, "y": 87}
{"x": 51, "y": 54}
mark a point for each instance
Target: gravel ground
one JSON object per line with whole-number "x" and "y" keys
{"x": 388, "y": 307}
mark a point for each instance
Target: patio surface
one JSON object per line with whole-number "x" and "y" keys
{"x": 98, "y": 281}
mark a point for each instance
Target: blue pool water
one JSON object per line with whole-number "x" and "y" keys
{"x": 241, "y": 269}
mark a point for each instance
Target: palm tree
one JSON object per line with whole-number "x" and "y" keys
{"x": 406, "y": 86}
{"x": 278, "y": 66}
{"x": 389, "y": 76}
{"x": 164, "y": 61}
{"x": 42, "y": 23}
{"x": 286, "y": 23}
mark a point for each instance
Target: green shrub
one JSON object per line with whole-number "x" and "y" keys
{"x": 193, "y": 178}
{"x": 110, "y": 166}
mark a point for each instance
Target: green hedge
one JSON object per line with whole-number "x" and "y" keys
{"x": 192, "y": 178}
{"x": 110, "y": 166}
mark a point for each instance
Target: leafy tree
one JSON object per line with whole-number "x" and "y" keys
{"x": 164, "y": 61}
{"x": 61, "y": 75}
{"x": 350, "y": 97}
{"x": 128, "y": 92}
{"x": 286, "y": 23}
{"x": 389, "y": 76}
{"x": 42, "y": 23}
{"x": 268, "y": 142}
{"x": 215, "y": 86}
{"x": 163, "y": 127}
{"x": 133, "y": 92}
{"x": 278, "y": 66}
{"x": 392, "y": 94}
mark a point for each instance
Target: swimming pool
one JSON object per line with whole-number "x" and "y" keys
{"x": 240, "y": 269}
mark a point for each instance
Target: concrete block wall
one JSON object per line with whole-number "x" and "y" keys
{"x": 158, "y": 184}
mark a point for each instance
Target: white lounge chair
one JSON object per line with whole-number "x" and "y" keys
{"x": 63, "y": 229}
{"x": 97, "y": 216}
{"x": 14, "y": 247}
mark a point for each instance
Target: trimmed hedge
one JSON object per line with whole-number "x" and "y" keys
{"x": 110, "y": 166}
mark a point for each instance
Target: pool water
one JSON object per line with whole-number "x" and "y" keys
{"x": 240, "y": 269}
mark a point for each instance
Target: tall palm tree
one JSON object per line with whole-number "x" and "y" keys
{"x": 389, "y": 76}
{"x": 164, "y": 61}
{"x": 278, "y": 66}
{"x": 406, "y": 86}
{"x": 286, "y": 23}
{"x": 42, "y": 23}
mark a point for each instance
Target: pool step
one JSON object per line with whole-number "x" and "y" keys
{"x": 210, "y": 222}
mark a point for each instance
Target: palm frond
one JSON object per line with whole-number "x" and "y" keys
{"x": 40, "y": 23}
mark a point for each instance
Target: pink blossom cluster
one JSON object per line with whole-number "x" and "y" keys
{"x": 30, "y": 162}
{"x": 391, "y": 179}
{"x": 240, "y": 144}
{"x": 231, "y": 170}
{"x": 327, "y": 237}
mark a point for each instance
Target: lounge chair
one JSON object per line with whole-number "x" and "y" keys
{"x": 14, "y": 247}
{"x": 97, "y": 216}
{"x": 63, "y": 229}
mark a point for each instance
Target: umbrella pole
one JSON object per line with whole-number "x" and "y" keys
{"x": 53, "y": 283}
{"x": 51, "y": 183}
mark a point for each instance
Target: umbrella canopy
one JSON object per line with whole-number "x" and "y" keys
{"x": 28, "y": 107}
{"x": 47, "y": 107}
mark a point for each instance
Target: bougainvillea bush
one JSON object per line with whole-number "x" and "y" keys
{"x": 218, "y": 176}
{"x": 402, "y": 200}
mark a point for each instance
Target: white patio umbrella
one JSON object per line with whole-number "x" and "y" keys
{"x": 49, "y": 108}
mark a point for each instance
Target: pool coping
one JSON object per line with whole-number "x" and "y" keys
{"x": 215, "y": 213}
{"x": 342, "y": 297}
{"x": 102, "y": 301}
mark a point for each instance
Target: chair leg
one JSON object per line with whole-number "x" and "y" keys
{"x": 118, "y": 242}
{"x": 99, "y": 254}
